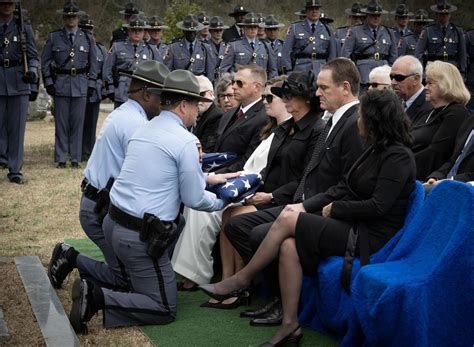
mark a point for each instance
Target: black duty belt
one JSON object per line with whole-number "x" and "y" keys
{"x": 374, "y": 56}
{"x": 128, "y": 221}
{"x": 72, "y": 72}
{"x": 9, "y": 63}
{"x": 89, "y": 190}
{"x": 443, "y": 57}
{"x": 313, "y": 56}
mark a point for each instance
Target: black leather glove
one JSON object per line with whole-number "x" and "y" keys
{"x": 33, "y": 96}
{"x": 51, "y": 90}
{"x": 111, "y": 96}
{"x": 90, "y": 92}
{"x": 29, "y": 77}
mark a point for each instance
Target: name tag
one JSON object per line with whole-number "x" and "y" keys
{"x": 364, "y": 38}
{"x": 279, "y": 54}
{"x": 241, "y": 53}
{"x": 383, "y": 41}
{"x": 122, "y": 53}
{"x": 322, "y": 37}
{"x": 301, "y": 34}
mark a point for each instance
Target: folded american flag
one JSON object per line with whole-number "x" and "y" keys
{"x": 213, "y": 161}
{"x": 238, "y": 188}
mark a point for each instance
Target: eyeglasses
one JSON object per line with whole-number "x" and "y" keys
{"x": 268, "y": 98}
{"x": 226, "y": 96}
{"x": 239, "y": 83}
{"x": 375, "y": 84}
{"x": 401, "y": 78}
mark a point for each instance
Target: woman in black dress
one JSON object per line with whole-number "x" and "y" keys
{"x": 373, "y": 198}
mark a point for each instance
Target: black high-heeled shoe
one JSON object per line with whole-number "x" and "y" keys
{"x": 290, "y": 338}
{"x": 209, "y": 289}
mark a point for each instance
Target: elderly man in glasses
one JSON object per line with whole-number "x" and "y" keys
{"x": 406, "y": 78}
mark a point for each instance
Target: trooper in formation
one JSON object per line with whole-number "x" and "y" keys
{"x": 93, "y": 99}
{"x": 371, "y": 44}
{"x": 155, "y": 31}
{"x": 121, "y": 34}
{"x": 203, "y": 35}
{"x": 217, "y": 44}
{"x": 250, "y": 50}
{"x": 102, "y": 169}
{"x": 123, "y": 59}
{"x": 443, "y": 40}
{"x": 408, "y": 43}
{"x": 309, "y": 43}
{"x": 272, "y": 27}
{"x": 401, "y": 30}
{"x": 356, "y": 17}
{"x": 189, "y": 53}
{"x": 235, "y": 32}
{"x": 18, "y": 73}
{"x": 69, "y": 67}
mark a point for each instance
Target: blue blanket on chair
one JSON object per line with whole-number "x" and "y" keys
{"x": 325, "y": 306}
{"x": 423, "y": 294}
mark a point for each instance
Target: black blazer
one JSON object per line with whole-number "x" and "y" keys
{"x": 206, "y": 128}
{"x": 288, "y": 155}
{"x": 466, "y": 168}
{"x": 419, "y": 107}
{"x": 434, "y": 140}
{"x": 375, "y": 193}
{"x": 240, "y": 137}
{"x": 343, "y": 146}
{"x": 231, "y": 34}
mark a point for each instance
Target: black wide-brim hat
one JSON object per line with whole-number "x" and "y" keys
{"x": 71, "y": 9}
{"x": 130, "y": 9}
{"x": 301, "y": 13}
{"x": 238, "y": 10}
{"x": 190, "y": 23}
{"x": 151, "y": 72}
{"x": 443, "y": 7}
{"x": 250, "y": 19}
{"x": 325, "y": 19}
{"x": 136, "y": 22}
{"x": 271, "y": 22}
{"x": 355, "y": 10}
{"x": 86, "y": 22}
{"x": 312, "y": 3}
{"x": 216, "y": 23}
{"x": 156, "y": 22}
{"x": 421, "y": 16}
{"x": 298, "y": 84}
{"x": 182, "y": 82}
{"x": 374, "y": 7}
{"x": 402, "y": 11}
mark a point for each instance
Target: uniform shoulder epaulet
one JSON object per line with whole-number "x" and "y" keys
{"x": 456, "y": 26}
{"x": 356, "y": 25}
{"x": 281, "y": 41}
{"x": 343, "y": 27}
{"x": 176, "y": 39}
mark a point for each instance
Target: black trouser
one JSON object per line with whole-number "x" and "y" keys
{"x": 247, "y": 231}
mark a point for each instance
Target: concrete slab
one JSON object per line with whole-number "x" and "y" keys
{"x": 49, "y": 312}
{"x": 4, "y": 334}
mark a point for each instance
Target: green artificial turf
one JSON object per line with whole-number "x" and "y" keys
{"x": 196, "y": 326}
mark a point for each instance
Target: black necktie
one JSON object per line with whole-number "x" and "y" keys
{"x": 191, "y": 48}
{"x": 272, "y": 43}
{"x": 71, "y": 38}
{"x": 313, "y": 28}
{"x": 374, "y": 31}
{"x": 252, "y": 45}
{"x": 298, "y": 197}
{"x": 444, "y": 32}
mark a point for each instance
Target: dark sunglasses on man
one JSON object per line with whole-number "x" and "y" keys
{"x": 239, "y": 83}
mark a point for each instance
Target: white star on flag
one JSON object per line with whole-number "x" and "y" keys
{"x": 213, "y": 165}
{"x": 236, "y": 192}
{"x": 246, "y": 184}
{"x": 228, "y": 184}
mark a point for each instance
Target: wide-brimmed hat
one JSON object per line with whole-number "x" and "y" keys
{"x": 271, "y": 22}
{"x": 355, "y": 10}
{"x": 298, "y": 84}
{"x": 250, "y": 19}
{"x": 190, "y": 23}
{"x": 443, "y": 7}
{"x": 86, "y": 22}
{"x": 325, "y": 18}
{"x": 402, "y": 11}
{"x": 130, "y": 9}
{"x": 374, "y": 7}
{"x": 136, "y": 21}
{"x": 156, "y": 22}
{"x": 183, "y": 82}
{"x": 312, "y": 3}
{"x": 71, "y": 9}
{"x": 238, "y": 10}
{"x": 216, "y": 23}
{"x": 203, "y": 18}
{"x": 151, "y": 72}
{"x": 421, "y": 16}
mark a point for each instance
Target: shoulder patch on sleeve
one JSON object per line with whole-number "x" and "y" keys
{"x": 199, "y": 149}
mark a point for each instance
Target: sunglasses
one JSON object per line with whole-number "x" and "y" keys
{"x": 239, "y": 83}
{"x": 401, "y": 78}
{"x": 268, "y": 98}
{"x": 375, "y": 84}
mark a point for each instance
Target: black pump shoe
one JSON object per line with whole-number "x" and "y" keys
{"x": 288, "y": 339}
{"x": 209, "y": 289}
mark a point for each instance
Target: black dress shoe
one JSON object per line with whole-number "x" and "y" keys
{"x": 61, "y": 165}
{"x": 273, "y": 317}
{"x": 82, "y": 308}
{"x": 220, "y": 305}
{"x": 75, "y": 165}
{"x": 16, "y": 179}
{"x": 260, "y": 311}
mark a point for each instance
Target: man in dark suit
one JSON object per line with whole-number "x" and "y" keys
{"x": 239, "y": 128}
{"x": 407, "y": 76}
{"x": 235, "y": 31}
{"x": 460, "y": 166}
{"x": 333, "y": 155}
{"x": 208, "y": 117}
